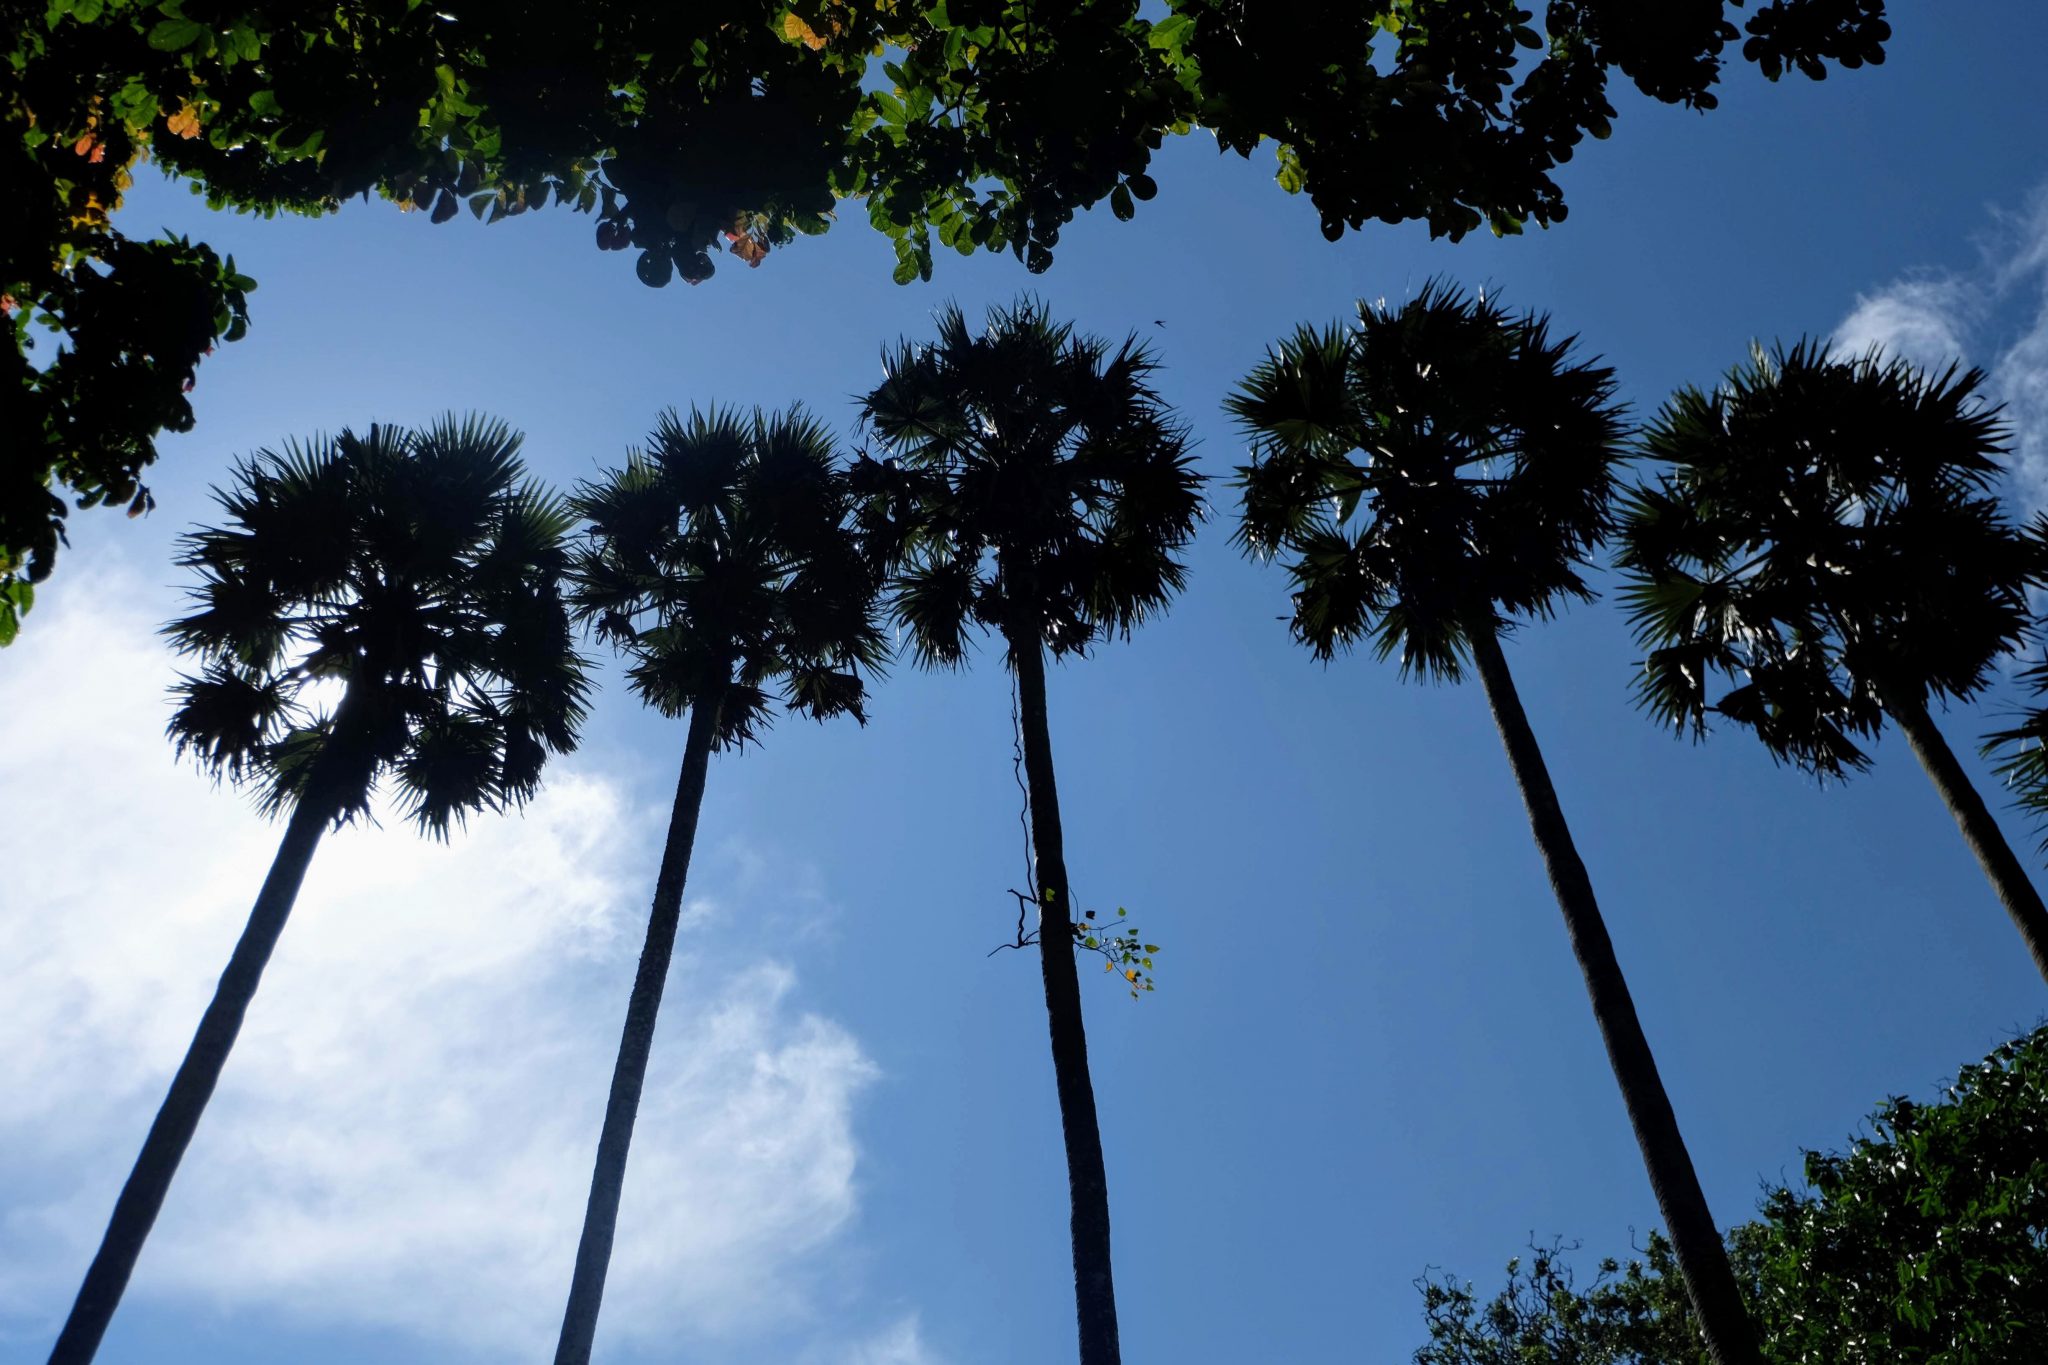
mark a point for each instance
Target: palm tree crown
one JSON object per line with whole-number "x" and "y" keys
{"x": 419, "y": 570}
{"x": 719, "y": 559}
{"x": 1035, "y": 483}
{"x": 1434, "y": 461}
{"x": 1827, "y": 534}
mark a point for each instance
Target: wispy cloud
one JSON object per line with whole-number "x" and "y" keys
{"x": 1924, "y": 319}
{"x": 1993, "y": 314}
{"x": 404, "y": 1134}
{"x": 901, "y": 1343}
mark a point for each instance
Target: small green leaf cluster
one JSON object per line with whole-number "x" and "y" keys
{"x": 1122, "y": 948}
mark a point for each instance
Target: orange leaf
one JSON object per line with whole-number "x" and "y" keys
{"x": 748, "y": 249}
{"x": 185, "y": 123}
{"x": 795, "y": 28}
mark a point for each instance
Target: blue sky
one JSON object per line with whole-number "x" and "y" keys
{"x": 1369, "y": 1052}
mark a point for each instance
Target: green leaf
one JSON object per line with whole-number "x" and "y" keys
{"x": 173, "y": 35}
{"x": 1290, "y": 176}
{"x": 1169, "y": 34}
{"x": 1120, "y": 203}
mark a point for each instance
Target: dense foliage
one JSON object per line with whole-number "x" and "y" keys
{"x": 978, "y": 124}
{"x": 1926, "y": 1243}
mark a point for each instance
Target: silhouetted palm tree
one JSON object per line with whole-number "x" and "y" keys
{"x": 414, "y": 573}
{"x": 1827, "y": 538}
{"x": 720, "y": 561}
{"x": 1036, "y": 486}
{"x": 1433, "y": 473}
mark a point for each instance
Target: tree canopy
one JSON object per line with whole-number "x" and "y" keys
{"x": 978, "y": 124}
{"x": 1925, "y": 1243}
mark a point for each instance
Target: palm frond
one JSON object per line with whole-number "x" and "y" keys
{"x": 2019, "y": 754}
{"x": 451, "y": 766}
{"x": 227, "y": 718}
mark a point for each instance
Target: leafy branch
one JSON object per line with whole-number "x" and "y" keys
{"x": 1122, "y": 948}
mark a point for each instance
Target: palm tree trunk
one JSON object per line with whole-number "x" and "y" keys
{"x": 1087, "y": 1183}
{"x": 1702, "y": 1259}
{"x": 143, "y": 1196}
{"x": 629, "y": 1073}
{"x": 1980, "y": 831}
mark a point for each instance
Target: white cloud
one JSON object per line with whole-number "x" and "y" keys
{"x": 902, "y": 1343}
{"x": 1994, "y": 315}
{"x": 1922, "y": 319}
{"x": 403, "y": 1136}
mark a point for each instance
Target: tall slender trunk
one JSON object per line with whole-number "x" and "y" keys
{"x": 1087, "y": 1184}
{"x": 1702, "y": 1259}
{"x": 143, "y": 1196}
{"x": 629, "y": 1073}
{"x": 1980, "y": 831}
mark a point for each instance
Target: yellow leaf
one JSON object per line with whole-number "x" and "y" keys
{"x": 796, "y": 29}
{"x": 185, "y": 123}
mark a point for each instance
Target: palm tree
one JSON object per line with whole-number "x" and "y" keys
{"x": 1432, "y": 474}
{"x": 1827, "y": 537}
{"x": 410, "y": 579}
{"x": 720, "y": 562}
{"x": 1037, "y": 486}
